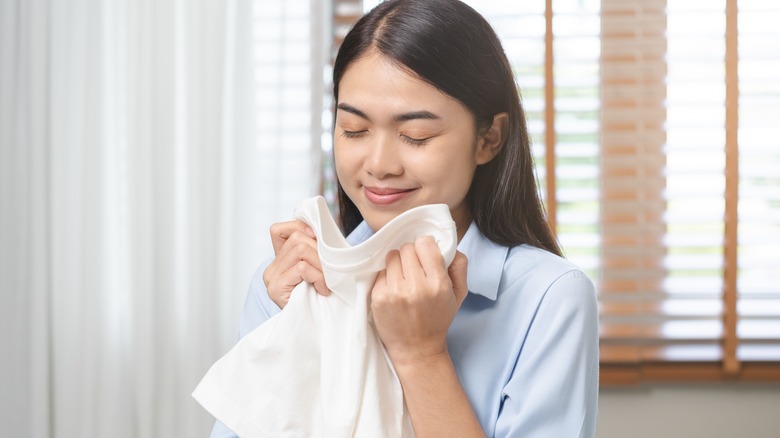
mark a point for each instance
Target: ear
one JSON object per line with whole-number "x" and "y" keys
{"x": 492, "y": 139}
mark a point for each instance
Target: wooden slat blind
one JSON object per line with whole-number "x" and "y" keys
{"x": 344, "y": 14}
{"x": 731, "y": 364}
{"x": 632, "y": 159}
{"x": 549, "y": 118}
{"x": 758, "y": 138}
{"x": 698, "y": 300}
{"x": 655, "y": 131}
{"x": 522, "y": 27}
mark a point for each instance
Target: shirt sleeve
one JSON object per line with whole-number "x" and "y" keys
{"x": 221, "y": 431}
{"x": 553, "y": 390}
{"x": 258, "y": 308}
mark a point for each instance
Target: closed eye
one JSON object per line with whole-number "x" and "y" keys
{"x": 353, "y": 134}
{"x": 415, "y": 141}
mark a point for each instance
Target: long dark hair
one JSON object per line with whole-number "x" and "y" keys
{"x": 451, "y": 46}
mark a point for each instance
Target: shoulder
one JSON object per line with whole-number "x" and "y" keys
{"x": 552, "y": 388}
{"x": 527, "y": 260}
{"x": 535, "y": 271}
{"x": 555, "y": 295}
{"x": 529, "y": 323}
{"x": 522, "y": 274}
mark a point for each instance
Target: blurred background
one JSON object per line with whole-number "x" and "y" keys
{"x": 147, "y": 145}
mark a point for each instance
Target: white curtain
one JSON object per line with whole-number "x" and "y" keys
{"x": 130, "y": 210}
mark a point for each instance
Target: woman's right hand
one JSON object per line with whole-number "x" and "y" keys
{"x": 296, "y": 260}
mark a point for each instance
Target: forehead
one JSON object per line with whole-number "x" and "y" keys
{"x": 375, "y": 83}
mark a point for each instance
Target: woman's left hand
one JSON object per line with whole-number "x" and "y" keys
{"x": 415, "y": 299}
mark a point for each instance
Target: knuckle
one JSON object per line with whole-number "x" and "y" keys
{"x": 423, "y": 241}
{"x": 279, "y": 231}
{"x": 270, "y": 275}
{"x": 266, "y": 278}
{"x": 382, "y": 292}
{"x": 295, "y": 237}
{"x": 378, "y": 300}
{"x": 436, "y": 284}
{"x": 459, "y": 262}
{"x": 301, "y": 247}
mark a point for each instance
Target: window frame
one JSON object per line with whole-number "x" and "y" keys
{"x": 642, "y": 368}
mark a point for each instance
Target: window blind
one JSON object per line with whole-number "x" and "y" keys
{"x": 521, "y": 27}
{"x": 287, "y": 125}
{"x": 655, "y": 132}
{"x": 684, "y": 322}
{"x": 575, "y": 114}
{"x": 758, "y": 300}
{"x": 670, "y": 309}
{"x": 345, "y": 14}
{"x": 695, "y": 180}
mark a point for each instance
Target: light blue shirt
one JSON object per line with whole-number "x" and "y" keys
{"x": 524, "y": 343}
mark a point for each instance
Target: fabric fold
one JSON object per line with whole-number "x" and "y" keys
{"x": 318, "y": 368}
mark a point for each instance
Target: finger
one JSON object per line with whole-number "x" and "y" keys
{"x": 458, "y": 275}
{"x": 295, "y": 235}
{"x": 313, "y": 276}
{"x": 393, "y": 270}
{"x": 299, "y": 247}
{"x": 320, "y": 286}
{"x": 303, "y": 271}
{"x": 380, "y": 284}
{"x": 410, "y": 263}
{"x": 282, "y": 231}
{"x": 297, "y": 261}
{"x": 430, "y": 256}
{"x": 381, "y": 278}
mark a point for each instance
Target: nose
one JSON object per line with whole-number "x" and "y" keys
{"x": 382, "y": 159}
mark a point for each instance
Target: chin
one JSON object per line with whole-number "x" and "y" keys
{"x": 376, "y": 223}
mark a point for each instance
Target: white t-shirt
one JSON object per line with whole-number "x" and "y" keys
{"x": 318, "y": 368}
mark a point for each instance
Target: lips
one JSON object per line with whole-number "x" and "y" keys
{"x": 385, "y": 195}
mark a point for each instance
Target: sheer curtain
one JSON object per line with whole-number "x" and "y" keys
{"x": 130, "y": 210}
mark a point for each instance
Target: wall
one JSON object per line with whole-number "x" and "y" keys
{"x": 712, "y": 411}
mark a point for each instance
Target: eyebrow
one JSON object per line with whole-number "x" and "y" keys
{"x": 413, "y": 115}
{"x": 427, "y": 115}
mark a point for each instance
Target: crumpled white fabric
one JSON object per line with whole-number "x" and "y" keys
{"x": 318, "y": 368}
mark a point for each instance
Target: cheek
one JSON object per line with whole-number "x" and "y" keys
{"x": 452, "y": 173}
{"x": 344, "y": 163}
{"x": 454, "y": 162}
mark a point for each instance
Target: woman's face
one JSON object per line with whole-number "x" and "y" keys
{"x": 400, "y": 143}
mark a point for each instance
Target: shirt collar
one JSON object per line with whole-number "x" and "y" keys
{"x": 486, "y": 258}
{"x": 486, "y": 262}
{"x": 361, "y": 233}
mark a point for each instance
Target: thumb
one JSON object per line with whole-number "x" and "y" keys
{"x": 457, "y": 272}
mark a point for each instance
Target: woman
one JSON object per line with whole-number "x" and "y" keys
{"x": 503, "y": 342}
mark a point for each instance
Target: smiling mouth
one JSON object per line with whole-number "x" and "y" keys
{"x": 385, "y": 196}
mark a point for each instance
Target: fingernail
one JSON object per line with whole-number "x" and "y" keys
{"x": 310, "y": 232}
